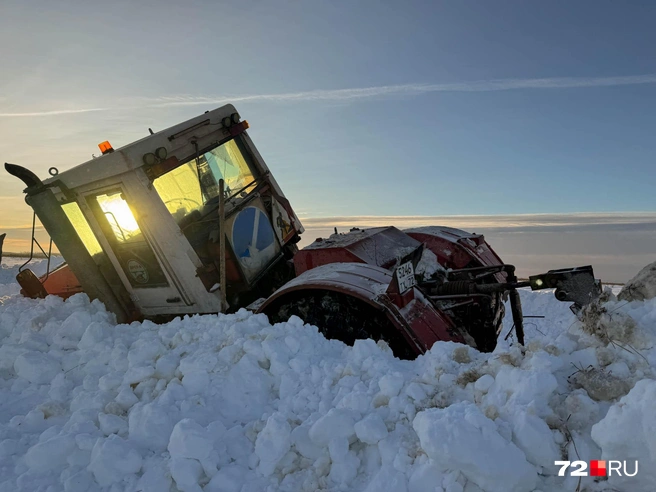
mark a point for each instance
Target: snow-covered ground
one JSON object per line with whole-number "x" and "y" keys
{"x": 230, "y": 403}
{"x": 9, "y": 269}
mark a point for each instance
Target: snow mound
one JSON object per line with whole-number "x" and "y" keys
{"x": 496, "y": 464}
{"x": 233, "y": 403}
{"x": 642, "y": 286}
{"x": 628, "y": 432}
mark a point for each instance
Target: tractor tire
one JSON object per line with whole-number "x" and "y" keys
{"x": 341, "y": 317}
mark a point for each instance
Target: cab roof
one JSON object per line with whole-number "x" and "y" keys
{"x": 178, "y": 141}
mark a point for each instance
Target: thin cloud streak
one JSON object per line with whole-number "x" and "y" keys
{"x": 353, "y": 94}
{"x": 56, "y": 112}
{"x": 506, "y": 222}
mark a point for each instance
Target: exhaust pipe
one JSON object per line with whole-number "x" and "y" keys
{"x": 52, "y": 216}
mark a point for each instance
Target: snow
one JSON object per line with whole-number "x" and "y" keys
{"x": 632, "y": 416}
{"x": 9, "y": 270}
{"x": 447, "y": 435}
{"x": 231, "y": 403}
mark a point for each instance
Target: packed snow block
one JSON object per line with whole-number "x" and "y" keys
{"x": 272, "y": 443}
{"x": 304, "y": 445}
{"x": 230, "y": 478}
{"x": 425, "y": 476}
{"x": 371, "y": 429}
{"x": 51, "y": 454}
{"x": 390, "y": 384}
{"x": 186, "y": 472}
{"x": 336, "y": 423}
{"x": 641, "y": 287}
{"x": 190, "y": 440}
{"x": 72, "y": 329}
{"x": 156, "y": 476}
{"x": 112, "y": 459}
{"x": 150, "y": 426}
{"x": 533, "y": 436}
{"x": 37, "y": 367}
{"x": 112, "y": 424}
{"x": 390, "y": 480}
{"x": 628, "y": 433}
{"x": 461, "y": 438}
{"x": 515, "y": 388}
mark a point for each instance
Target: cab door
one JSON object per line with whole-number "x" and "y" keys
{"x": 151, "y": 285}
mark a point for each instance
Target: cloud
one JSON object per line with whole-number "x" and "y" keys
{"x": 498, "y": 223}
{"x": 353, "y": 94}
{"x": 56, "y": 112}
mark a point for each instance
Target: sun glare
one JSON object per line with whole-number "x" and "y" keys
{"x": 119, "y": 216}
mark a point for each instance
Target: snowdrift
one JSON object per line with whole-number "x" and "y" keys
{"x": 230, "y": 403}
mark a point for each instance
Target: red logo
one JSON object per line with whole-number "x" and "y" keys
{"x": 598, "y": 468}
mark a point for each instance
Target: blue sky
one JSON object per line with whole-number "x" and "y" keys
{"x": 471, "y": 107}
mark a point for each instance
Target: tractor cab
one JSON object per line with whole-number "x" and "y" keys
{"x": 186, "y": 220}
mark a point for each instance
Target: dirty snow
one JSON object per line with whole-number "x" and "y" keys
{"x": 230, "y": 403}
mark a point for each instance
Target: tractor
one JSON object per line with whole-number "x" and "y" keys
{"x": 190, "y": 220}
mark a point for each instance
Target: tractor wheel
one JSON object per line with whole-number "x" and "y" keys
{"x": 341, "y": 317}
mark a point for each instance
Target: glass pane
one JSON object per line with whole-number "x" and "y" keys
{"x": 79, "y": 221}
{"x": 128, "y": 243}
{"x": 191, "y": 186}
{"x": 120, "y": 218}
{"x": 180, "y": 190}
{"x": 228, "y": 162}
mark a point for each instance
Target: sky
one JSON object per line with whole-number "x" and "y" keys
{"x": 363, "y": 109}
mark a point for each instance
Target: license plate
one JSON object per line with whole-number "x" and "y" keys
{"x": 405, "y": 275}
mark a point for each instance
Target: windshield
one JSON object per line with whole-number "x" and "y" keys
{"x": 190, "y": 186}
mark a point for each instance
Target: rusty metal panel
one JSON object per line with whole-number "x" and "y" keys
{"x": 457, "y": 249}
{"x": 380, "y": 246}
{"x": 420, "y": 323}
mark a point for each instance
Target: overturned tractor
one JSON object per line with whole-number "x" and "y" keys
{"x": 190, "y": 220}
